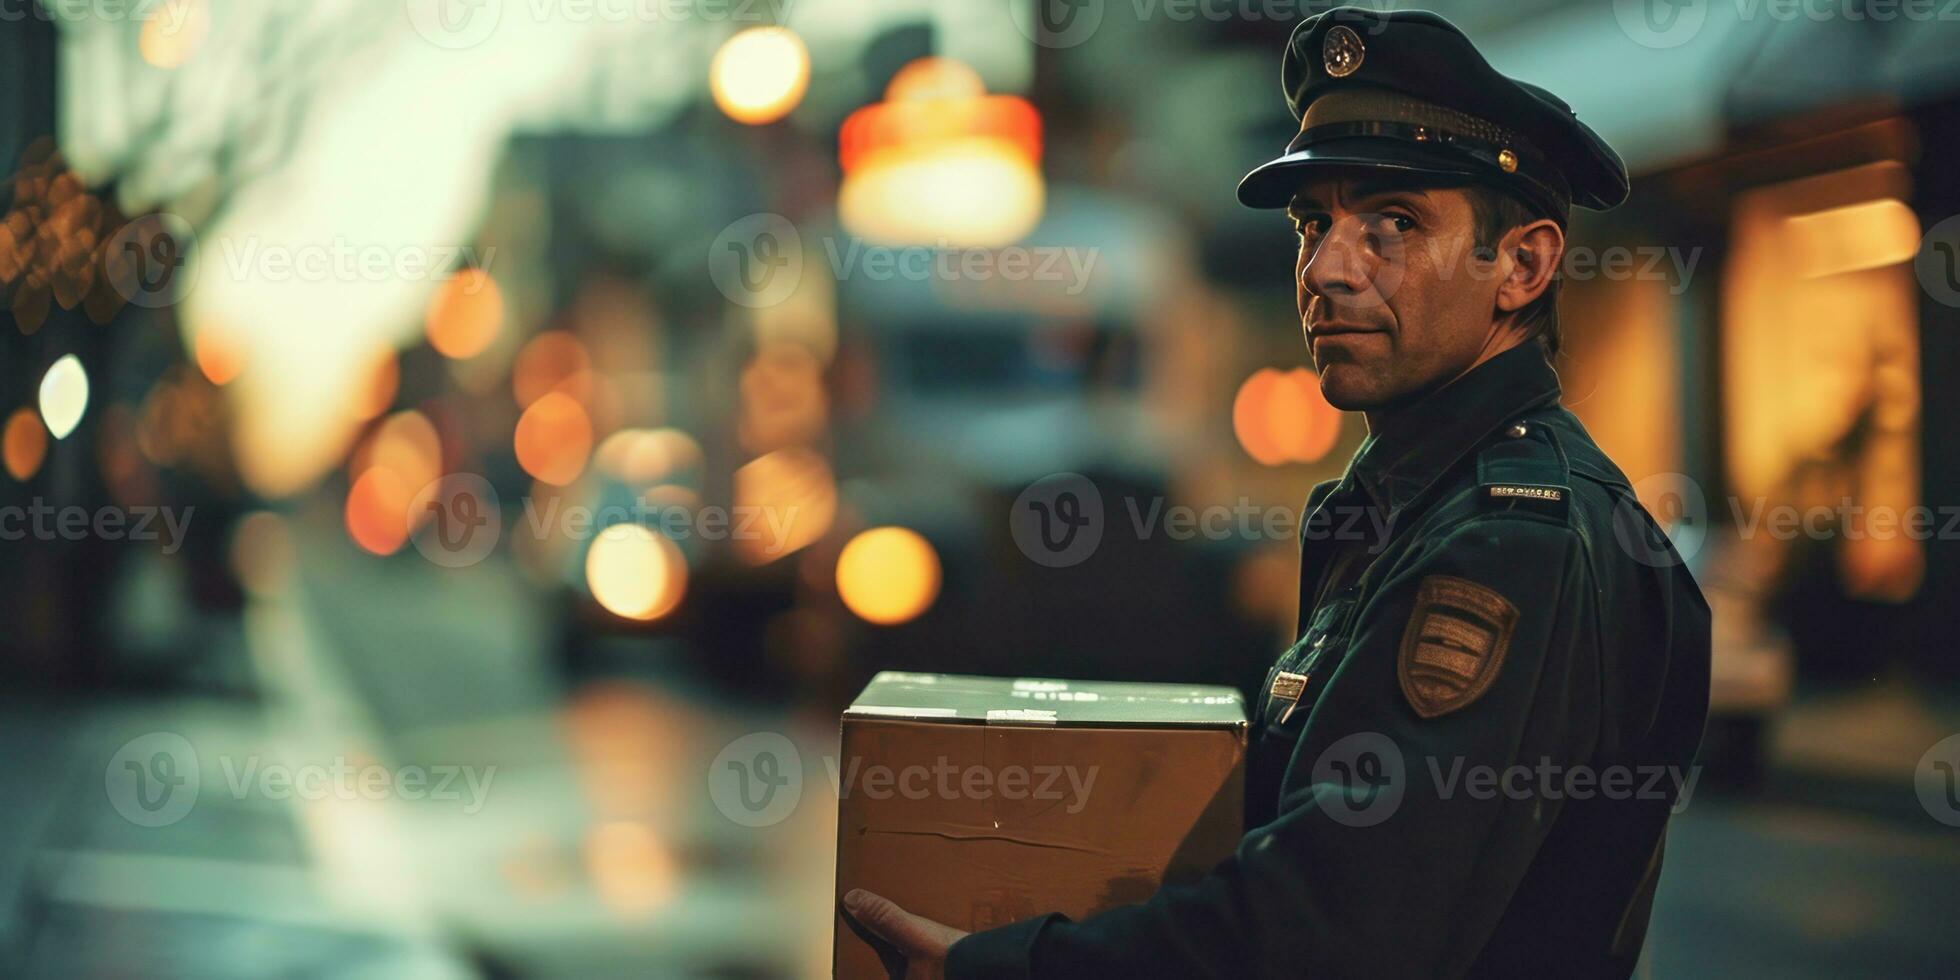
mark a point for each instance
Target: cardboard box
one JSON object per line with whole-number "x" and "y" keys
{"x": 979, "y": 801}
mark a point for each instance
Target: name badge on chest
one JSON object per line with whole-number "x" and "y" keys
{"x": 1288, "y": 686}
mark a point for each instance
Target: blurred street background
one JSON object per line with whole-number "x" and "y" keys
{"x": 435, "y": 430}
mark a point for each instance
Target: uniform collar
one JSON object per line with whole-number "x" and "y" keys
{"x": 1395, "y": 465}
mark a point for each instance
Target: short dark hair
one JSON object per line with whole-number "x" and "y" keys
{"x": 1495, "y": 211}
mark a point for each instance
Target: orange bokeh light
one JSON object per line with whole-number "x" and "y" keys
{"x": 384, "y": 379}
{"x": 1282, "y": 417}
{"x": 635, "y": 573}
{"x": 26, "y": 443}
{"x": 888, "y": 575}
{"x": 465, "y": 314}
{"x": 377, "y": 511}
{"x": 795, "y": 496}
{"x": 551, "y": 361}
{"x": 219, "y": 352}
{"x": 553, "y": 439}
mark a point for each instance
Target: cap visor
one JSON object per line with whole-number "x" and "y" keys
{"x": 1273, "y": 184}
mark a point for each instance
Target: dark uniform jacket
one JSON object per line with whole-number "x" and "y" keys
{"x": 1465, "y": 764}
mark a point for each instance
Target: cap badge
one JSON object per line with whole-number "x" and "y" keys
{"x": 1341, "y": 51}
{"x": 1507, "y": 160}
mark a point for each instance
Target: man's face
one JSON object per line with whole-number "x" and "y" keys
{"x": 1391, "y": 297}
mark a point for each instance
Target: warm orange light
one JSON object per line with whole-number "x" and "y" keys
{"x": 643, "y": 457}
{"x": 172, "y": 31}
{"x": 26, "y": 444}
{"x": 377, "y": 511}
{"x": 383, "y": 383}
{"x": 553, "y": 439}
{"x": 1853, "y": 238}
{"x": 934, "y": 78}
{"x": 786, "y": 499}
{"x": 888, "y": 575}
{"x": 1282, "y": 417}
{"x": 219, "y": 351}
{"x": 465, "y": 314}
{"x": 760, "y": 74}
{"x": 551, "y": 361}
{"x": 406, "y": 444}
{"x": 939, "y": 160}
{"x": 635, "y": 573}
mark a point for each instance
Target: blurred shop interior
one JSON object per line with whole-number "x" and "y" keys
{"x": 541, "y": 252}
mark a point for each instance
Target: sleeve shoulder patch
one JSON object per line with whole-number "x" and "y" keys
{"x": 1454, "y": 644}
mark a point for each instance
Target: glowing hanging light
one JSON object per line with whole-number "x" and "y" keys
{"x": 940, "y": 160}
{"x": 64, "y": 396}
{"x": 888, "y": 575}
{"x": 760, "y": 74}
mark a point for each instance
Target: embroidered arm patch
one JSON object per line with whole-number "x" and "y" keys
{"x": 1454, "y": 644}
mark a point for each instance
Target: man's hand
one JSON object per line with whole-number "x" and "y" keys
{"x": 920, "y": 940}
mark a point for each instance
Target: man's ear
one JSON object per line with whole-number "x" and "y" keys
{"x": 1534, "y": 252}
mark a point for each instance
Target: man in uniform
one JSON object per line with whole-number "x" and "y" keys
{"x": 1466, "y": 763}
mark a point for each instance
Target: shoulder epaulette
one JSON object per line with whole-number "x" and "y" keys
{"x": 1524, "y": 467}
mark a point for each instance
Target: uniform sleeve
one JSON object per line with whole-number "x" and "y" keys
{"x": 1390, "y": 856}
